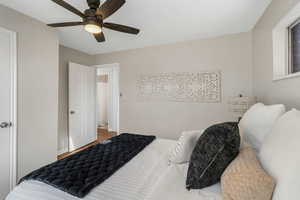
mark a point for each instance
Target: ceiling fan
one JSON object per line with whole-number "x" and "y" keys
{"x": 92, "y": 18}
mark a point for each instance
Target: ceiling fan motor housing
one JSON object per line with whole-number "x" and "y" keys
{"x": 92, "y": 17}
{"x": 93, "y": 4}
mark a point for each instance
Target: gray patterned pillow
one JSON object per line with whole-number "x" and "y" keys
{"x": 214, "y": 151}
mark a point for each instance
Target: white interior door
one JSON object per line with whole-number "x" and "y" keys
{"x": 7, "y": 106}
{"x": 82, "y": 105}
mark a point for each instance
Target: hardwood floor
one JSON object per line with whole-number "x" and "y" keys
{"x": 103, "y": 134}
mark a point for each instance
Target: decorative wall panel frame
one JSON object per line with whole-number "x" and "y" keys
{"x": 196, "y": 87}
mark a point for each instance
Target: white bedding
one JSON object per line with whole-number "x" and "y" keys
{"x": 147, "y": 176}
{"x": 172, "y": 186}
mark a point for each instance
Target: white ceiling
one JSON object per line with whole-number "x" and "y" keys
{"x": 160, "y": 21}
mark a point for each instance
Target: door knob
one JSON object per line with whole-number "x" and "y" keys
{"x": 5, "y": 124}
{"x": 72, "y": 112}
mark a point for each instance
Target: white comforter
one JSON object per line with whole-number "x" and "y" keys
{"x": 147, "y": 176}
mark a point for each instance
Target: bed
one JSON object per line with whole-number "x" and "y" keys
{"x": 147, "y": 176}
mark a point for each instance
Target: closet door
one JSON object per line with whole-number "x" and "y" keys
{"x": 7, "y": 111}
{"x": 82, "y": 106}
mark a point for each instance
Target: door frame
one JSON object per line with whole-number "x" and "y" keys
{"x": 13, "y": 107}
{"x": 115, "y": 69}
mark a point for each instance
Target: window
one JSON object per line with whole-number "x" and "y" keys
{"x": 286, "y": 46}
{"x": 294, "y": 48}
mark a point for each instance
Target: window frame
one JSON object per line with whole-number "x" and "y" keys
{"x": 282, "y": 67}
{"x": 290, "y": 47}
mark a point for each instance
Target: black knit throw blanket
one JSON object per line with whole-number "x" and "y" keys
{"x": 78, "y": 174}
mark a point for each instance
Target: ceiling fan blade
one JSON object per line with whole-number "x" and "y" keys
{"x": 69, "y": 7}
{"x": 99, "y": 37}
{"x": 121, "y": 28}
{"x": 66, "y": 24}
{"x": 110, "y": 7}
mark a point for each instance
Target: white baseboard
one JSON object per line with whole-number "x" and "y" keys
{"x": 62, "y": 151}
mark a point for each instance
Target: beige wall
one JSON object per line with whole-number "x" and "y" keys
{"x": 67, "y": 55}
{"x": 283, "y": 91}
{"x": 37, "y": 90}
{"x": 231, "y": 54}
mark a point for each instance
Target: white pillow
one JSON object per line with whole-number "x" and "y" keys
{"x": 280, "y": 156}
{"x": 258, "y": 122}
{"x": 182, "y": 151}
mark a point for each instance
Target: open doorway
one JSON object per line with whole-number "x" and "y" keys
{"x": 107, "y": 109}
{"x": 102, "y": 101}
{"x": 93, "y": 105}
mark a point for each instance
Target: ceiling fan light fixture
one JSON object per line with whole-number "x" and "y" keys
{"x": 92, "y": 18}
{"x": 93, "y": 27}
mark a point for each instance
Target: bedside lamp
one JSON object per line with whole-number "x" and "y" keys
{"x": 240, "y": 104}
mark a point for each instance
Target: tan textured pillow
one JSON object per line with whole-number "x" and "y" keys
{"x": 245, "y": 179}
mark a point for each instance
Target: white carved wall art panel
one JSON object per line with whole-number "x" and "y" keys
{"x": 200, "y": 87}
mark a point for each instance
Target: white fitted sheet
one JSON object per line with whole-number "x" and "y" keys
{"x": 147, "y": 176}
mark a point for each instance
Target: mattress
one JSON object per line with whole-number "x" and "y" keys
{"x": 147, "y": 176}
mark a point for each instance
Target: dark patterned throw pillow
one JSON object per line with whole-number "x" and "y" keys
{"x": 215, "y": 150}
